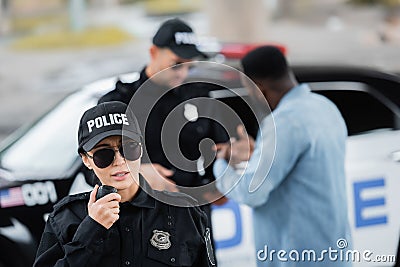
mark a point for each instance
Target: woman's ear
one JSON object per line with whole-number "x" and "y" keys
{"x": 86, "y": 161}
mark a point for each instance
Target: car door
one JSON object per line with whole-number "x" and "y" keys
{"x": 372, "y": 168}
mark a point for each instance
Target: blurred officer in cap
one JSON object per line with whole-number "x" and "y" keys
{"x": 173, "y": 44}
{"x": 127, "y": 227}
{"x": 174, "y": 47}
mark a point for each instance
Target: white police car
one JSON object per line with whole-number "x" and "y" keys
{"x": 39, "y": 165}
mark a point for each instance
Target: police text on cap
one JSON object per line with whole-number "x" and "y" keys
{"x": 185, "y": 38}
{"x": 116, "y": 118}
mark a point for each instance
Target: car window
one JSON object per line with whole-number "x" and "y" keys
{"x": 49, "y": 147}
{"x": 363, "y": 108}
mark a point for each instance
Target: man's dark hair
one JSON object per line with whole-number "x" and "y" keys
{"x": 266, "y": 62}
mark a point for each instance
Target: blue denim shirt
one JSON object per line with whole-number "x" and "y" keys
{"x": 295, "y": 183}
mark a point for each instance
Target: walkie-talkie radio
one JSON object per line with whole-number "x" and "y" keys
{"x": 105, "y": 190}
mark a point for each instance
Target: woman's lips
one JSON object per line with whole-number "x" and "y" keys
{"x": 119, "y": 176}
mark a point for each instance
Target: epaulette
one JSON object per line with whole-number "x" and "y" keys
{"x": 126, "y": 88}
{"x": 66, "y": 201}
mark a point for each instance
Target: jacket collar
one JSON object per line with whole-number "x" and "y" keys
{"x": 301, "y": 89}
{"x": 143, "y": 198}
{"x": 155, "y": 88}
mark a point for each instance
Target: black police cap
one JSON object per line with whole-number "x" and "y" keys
{"x": 104, "y": 120}
{"x": 179, "y": 37}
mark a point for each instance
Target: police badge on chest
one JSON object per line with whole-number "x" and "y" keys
{"x": 160, "y": 240}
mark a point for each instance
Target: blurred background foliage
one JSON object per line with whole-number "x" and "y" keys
{"x": 47, "y": 24}
{"x": 171, "y": 7}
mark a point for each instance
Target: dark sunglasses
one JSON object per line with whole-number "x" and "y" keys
{"x": 104, "y": 157}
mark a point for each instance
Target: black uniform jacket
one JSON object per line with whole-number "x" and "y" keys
{"x": 171, "y": 139}
{"x": 149, "y": 233}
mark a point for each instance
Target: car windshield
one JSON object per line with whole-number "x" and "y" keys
{"x": 49, "y": 147}
{"x": 373, "y": 112}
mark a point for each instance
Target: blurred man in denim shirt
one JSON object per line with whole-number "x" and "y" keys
{"x": 295, "y": 176}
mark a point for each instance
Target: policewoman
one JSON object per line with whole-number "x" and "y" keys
{"x": 128, "y": 227}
